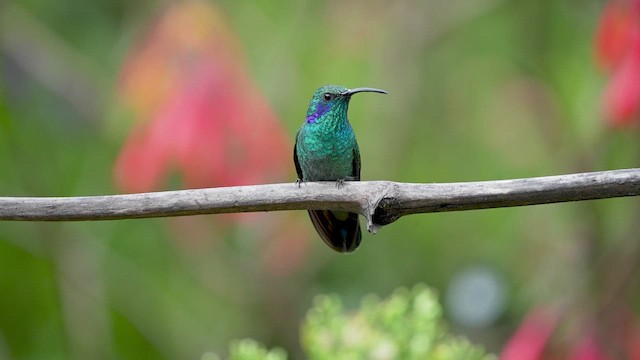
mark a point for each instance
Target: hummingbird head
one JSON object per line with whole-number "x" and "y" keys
{"x": 332, "y": 102}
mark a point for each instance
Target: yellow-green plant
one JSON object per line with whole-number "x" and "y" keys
{"x": 407, "y": 325}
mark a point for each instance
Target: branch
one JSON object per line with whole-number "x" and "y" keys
{"x": 380, "y": 202}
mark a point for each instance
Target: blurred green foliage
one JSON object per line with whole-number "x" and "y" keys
{"x": 478, "y": 90}
{"x": 407, "y": 325}
{"x": 248, "y": 349}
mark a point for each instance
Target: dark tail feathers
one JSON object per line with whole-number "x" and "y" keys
{"x": 339, "y": 229}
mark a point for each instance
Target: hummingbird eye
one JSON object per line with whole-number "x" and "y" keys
{"x": 328, "y": 96}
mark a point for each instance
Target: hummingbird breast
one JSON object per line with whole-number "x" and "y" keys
{"x": 326, "y": 155}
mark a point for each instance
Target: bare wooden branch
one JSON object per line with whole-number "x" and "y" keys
{"x": 380, "y": 202}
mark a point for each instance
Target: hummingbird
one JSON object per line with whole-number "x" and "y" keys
{"x": 326, "y": 150}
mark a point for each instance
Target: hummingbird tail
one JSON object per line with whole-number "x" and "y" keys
{"x": 339, "y": 229}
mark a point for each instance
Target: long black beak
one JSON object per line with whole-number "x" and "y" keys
{"x": 362, "y": 89}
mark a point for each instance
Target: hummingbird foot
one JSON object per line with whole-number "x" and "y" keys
{"x": 299, "y": 183}
{"x": 340, "y": 182}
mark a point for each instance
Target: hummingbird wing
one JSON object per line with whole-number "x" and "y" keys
{"x": 355, "y": 163}
{"x": 295, "y": 158}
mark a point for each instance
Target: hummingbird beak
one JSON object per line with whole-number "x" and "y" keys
{"x": 362, "y": 89}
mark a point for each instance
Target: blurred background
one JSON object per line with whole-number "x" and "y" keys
{"x": 115, "y": 96}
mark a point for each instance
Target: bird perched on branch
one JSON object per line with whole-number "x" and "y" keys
{"x": 326, "y": 150}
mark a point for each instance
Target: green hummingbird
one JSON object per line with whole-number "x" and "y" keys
{"x": 326, "y": 150}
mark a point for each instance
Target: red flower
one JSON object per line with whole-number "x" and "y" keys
{"x": 197, "y": 110}
{"x": 530, "y": 340}
{"x": 618, "y": 52}
{"x": 587, "y": 348}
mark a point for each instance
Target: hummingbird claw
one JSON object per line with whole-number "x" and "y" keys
{"x": 299, "y": 183}
{"x": 339, "y": 183}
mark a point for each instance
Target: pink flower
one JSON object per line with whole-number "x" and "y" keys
{"x": 197, "y": 111}
{"x": 587, "y": 348}
{"x": 530, "y": 340}
{"x": 618, "y": 52}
